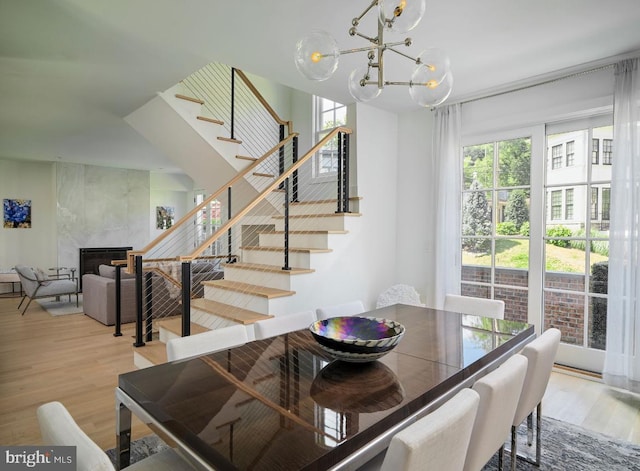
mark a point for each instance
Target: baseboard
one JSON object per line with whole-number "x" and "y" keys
{"x": 585, "y": 374}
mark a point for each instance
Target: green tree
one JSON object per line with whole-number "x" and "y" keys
{"x": 478, "y": 165}
{"x": 516, "y": 210}
{"x": 476, "y": 219}
{"x": 514, "y": 162}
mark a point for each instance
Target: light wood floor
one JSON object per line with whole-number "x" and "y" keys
{"x": 75, "y": 360}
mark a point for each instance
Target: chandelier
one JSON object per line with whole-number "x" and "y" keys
{"x": 317, "y": 56}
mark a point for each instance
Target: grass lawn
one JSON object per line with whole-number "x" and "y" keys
{"x": 514, "y": 253}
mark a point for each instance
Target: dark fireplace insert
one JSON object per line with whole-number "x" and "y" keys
{"x": 91, "y": 258}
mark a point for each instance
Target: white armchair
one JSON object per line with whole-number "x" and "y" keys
{"x": 37, "y": 285}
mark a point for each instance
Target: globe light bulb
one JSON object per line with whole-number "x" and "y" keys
{"x": 400, "y": 16}
{"x": 316, "y": 55}
{"x": 358, "y": 88}
{"x": 430, "y": 88}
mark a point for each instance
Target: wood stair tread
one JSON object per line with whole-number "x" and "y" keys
{"x": 234, "y": 313}
{"x": 174, "y": 325}
{"x": 262, "y": 291}
{"x": 154, "y": 352}
{"x": 281, "y": 249}
{"x": 210, "y": 120}
{"x": 190, "y": 98}
{"x": 269, "y": 268}
{"x": 246, "y": 157}
{"x": 229, "y": 139}
{"x": 307, "y": 232}
{"x": 298, "y": 203}
{"x": 325, "y": 215}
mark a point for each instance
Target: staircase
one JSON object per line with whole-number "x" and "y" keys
{"x": 261, "y": 278}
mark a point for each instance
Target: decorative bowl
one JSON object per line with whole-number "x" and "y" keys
{"x": 357, "y": 339}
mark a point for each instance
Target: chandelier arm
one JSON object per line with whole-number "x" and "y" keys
{"x": 359, "y": 49}
{"x": 356, "y": 20}
{"x": 371, "y": 40}
{"x": 414, "y": 59}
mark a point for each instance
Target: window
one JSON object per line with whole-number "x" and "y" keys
{"x": 570, "y": 153}
{"x": 495, "y": 223}
{"x": 556, "y": 204}
{"x": 607, "y": 151}
{"x": 328, "y": 115}
{"x": 606, "y": 204}
{"x": 556, "y": 153}
{"x": 594, "y": 204}
{"x": 568, "y": 204}
{"x": 595, "y": 151}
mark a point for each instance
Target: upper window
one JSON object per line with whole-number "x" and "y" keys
{"x": 556, "y": 156}
{"x": 607, "y": 151}
{"x": 570, "y": 152}
{"x": 595, "y": 151}
{"x": 328, "y": 115}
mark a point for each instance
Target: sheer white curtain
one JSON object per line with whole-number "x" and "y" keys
{"x": 447, "y": 173}
{"x": 622, "y": 360}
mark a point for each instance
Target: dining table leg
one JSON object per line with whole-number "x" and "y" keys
{"x": 123, "y": 435}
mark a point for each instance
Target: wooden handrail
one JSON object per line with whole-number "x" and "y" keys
{"x": 216, "y": 194}
{"x": 231, "y": 222}
{"x": 264, "y": 102}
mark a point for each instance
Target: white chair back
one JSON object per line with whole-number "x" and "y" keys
{"x": 475, "y": 306}
{"x": 283, "y": 324}
{"x": 438, "y": 441}
{"x": 541, "y": 354}
{"x": 352, "y": 308}
{"x": 399, "y": 294}
{"x": 499, "y": 394}
{"x": 58, "y": 428}
{"x": 206, "y": 342}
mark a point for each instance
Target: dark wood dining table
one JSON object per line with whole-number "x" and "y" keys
{"x": 284, "y": 404}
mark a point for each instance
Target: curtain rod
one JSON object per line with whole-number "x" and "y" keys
{"x": 537, "y": 84}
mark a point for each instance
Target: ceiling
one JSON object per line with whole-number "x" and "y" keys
{"x": 70, "y": 70}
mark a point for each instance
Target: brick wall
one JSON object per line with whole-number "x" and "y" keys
{"x": 564, "y": 311}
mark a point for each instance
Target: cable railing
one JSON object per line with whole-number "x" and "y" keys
{"x": 249, "y": 222}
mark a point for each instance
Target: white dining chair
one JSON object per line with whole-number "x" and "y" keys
{"x": 499, "y": 394}
{"x": 540, "y": 354}
{"x": 206, "y": 342}
{"x": 58, "y": 428}
{"x": 475, "y": 306}
{"x": 352, "y": 308}
{"x": 436, "y": 442}
{"x": 282, "y": 324}
{"x": 399, "y": 294}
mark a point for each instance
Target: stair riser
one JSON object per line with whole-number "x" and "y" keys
{"x": 296, "y": 259}
{"x": 313, "y": 208}
{"x": 213, "y": 322}
{"x": 332, "y": 223}
{"x": 166, "y": 335}
{"x": 311, "y": 241}
{"x": 246, "y": 301}
{"x": 260, "y": 278}
{"x": 141, "y": 362}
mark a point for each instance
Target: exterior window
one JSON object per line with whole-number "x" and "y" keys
{"x": 568, "y": 204}
{"x": 329, "y": 114}
{"x": 595, "y": 151}
{"x": 594, "y": 204}
{"x": 570, "y": 153}
{"x": 606, "y": 204}
{"x": 607, "y": 151}
{"x": 556, "y": 156}
{"x": 556, "y": 204}
{"x": 495, "y": 223}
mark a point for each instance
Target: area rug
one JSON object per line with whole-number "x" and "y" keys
{"x": 565, "y": 447}
{"x": 62, "y": 307}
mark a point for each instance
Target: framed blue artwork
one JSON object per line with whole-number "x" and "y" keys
{"x": 17, "y": 213}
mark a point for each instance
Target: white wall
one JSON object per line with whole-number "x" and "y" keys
{"x": 414, "y": 218}
{"x": 36, "y": 246}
